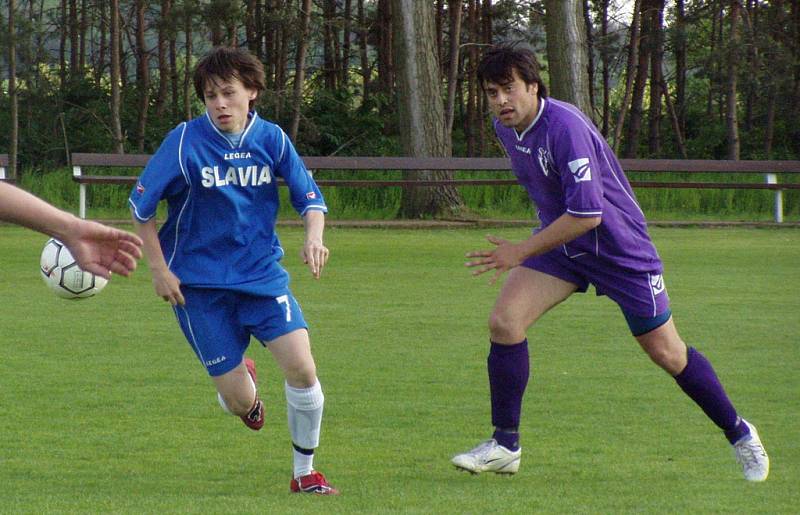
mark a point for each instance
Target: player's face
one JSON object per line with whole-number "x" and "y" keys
{"x": 514, "y": 104}
{"x": 228, "y": 103}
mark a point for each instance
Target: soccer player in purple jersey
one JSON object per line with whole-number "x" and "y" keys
{"x": 592, "y": 232}
{"x": 216, "y": 259}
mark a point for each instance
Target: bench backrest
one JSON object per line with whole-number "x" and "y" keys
{"x": 471, "y": 163}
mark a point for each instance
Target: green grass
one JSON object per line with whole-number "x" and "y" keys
{"x": 105, "y": 409}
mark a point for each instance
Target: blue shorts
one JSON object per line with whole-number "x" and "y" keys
{"x": 640, "y": 294}
{"x": 218, "y": 323}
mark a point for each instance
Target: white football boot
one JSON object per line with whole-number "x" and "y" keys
{"x": 752, "y": 456}
{"x": 489, "y": 456}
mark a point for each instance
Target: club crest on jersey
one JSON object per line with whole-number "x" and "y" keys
{"x": 657, "y": 283}
{"x": 580, "y": 169}
{"x": 235, "y": 175}
{"x": 544, "y": 160}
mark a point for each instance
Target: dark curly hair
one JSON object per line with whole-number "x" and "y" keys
{"x": 228, "y": 63}
{"x": 499, "y": 62}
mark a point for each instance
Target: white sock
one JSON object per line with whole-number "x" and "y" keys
{"x": 303, "y": 463}
{"x": 304, "y": 413}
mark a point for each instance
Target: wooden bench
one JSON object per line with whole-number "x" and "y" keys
{"x": 3, "y": 165}
{"x": 770, "y": 169}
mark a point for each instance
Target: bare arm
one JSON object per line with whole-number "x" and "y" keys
{"x": 167, "y": 284}
{"x": 97, "y": 248}
{"x": 315, "y": 253}
{"x": 506, "y": 255}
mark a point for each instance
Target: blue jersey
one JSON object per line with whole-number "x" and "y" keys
{"x": 566, "y": 166}
{"x": 223, "y": 203}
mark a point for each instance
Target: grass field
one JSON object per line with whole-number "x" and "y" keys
{"x": 104, "y": 409}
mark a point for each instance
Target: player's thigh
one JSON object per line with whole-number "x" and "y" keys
{"x": 527, "y": 294}
{"x": 292, "y": 353}
{"x": 209, "y": 323}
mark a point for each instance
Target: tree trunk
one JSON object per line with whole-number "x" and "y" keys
{"x": 142, "y": 74}
{"x": 680, "y": 63}
{"x": 74, "y": 44}
{"x": 630, "y": 71}
{"x": 188, "y": 23}
{"x": 300, "y": 64}
{"x": 329, "y": 35}
{"x": 363, "y": 48}
{"x": 62, "y": 43}
{"x": 590, "y": 45}
{"x": 566, "y": 53}
{"x": 344, "y": 67}
{"x": 731, "y": 119}
{"x": 640, "y": 83}
{"x": 606, "y": 70}
{"x": 100, "y": 63}
{"x": 656, "y": 90}
{"x": 420, "y": 109}
{"x": 116, "y": 124}
{"x": 12, "y": 90}
{"x": 454, "y": 9}
{"x": 162, "y": 54}
{"x": 385, "y": 52}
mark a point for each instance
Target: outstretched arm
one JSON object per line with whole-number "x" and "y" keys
{"x": 97, "y": 248}
{"x": 506, "y": 255}
{"x": 315, "y": 253}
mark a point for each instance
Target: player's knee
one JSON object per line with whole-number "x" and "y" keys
{"x": 671, "y": 358}
{"x": 505, "y": 328}
{"x": 302, "y": 375}
{"x": 235, "y": 404}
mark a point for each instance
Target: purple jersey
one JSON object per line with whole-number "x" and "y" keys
{"x": 566, "y": 166}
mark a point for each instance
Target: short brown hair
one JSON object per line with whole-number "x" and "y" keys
{"x": 229, "y": 63}
{"x": 499, "y": 62}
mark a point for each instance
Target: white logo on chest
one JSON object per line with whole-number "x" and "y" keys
{"x": 235, "y": 175}
{"x": 236, "y": 155}
{"x": 544, "y": 160}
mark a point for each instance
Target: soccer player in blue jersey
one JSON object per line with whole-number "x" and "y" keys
{"x": 216, "y": 259}
{"x": 592, "y": 232}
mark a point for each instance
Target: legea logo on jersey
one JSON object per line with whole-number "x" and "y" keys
{"x": 580, "y": 169}
{"x": 524, "y": 150}
{"x": 235, "y": 175}
{"x": 544, "y": 160}
{"x": 657, "y": 283}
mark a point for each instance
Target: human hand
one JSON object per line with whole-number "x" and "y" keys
{"x": 102, "y": 250}
{"x": 168, "y": 286}
{"x": 315, "y": 255}
{"x": 505, "y": 256}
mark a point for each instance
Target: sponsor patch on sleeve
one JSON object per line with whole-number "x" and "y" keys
{"x": 580, "y": 169}
{"x": 311, "y": 195}
{"x": 139, "y": 188}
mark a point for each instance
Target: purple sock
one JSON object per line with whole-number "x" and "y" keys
{"x": 699, "y": 381}
{"x": 508, "y": 376}
{"x": 508, "y": 439}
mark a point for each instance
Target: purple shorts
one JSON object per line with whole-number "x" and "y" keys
{"x": 638, "y": 293}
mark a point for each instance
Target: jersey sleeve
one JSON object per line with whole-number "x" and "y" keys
{"x": 576, "y": 160}
{"x": 162, "y": 177}
{"x": 303, "y": 191}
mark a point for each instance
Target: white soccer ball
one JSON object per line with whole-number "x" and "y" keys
{"x": 62, "y": 274}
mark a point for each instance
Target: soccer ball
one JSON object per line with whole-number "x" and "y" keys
{"x": 61, "y": 273}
